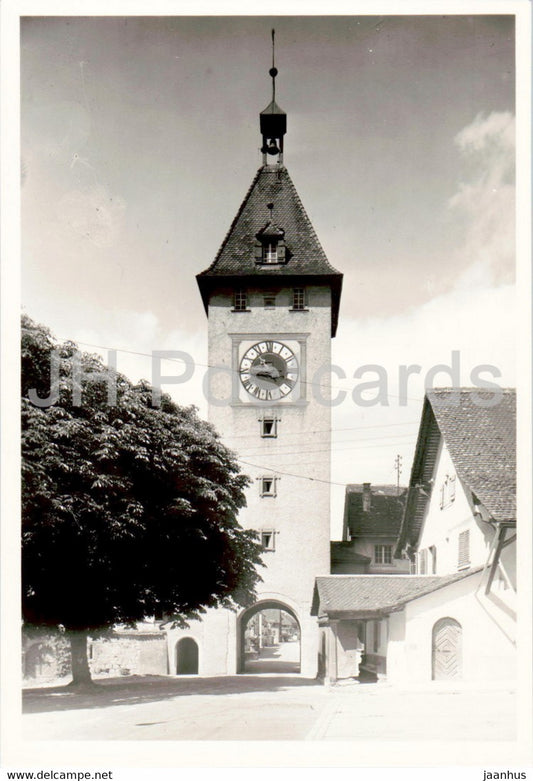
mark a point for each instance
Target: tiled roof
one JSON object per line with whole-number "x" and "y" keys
{"x": 375, "y": 594}
{"x": 236, "y": 256}
{"x": 385, "y": 514}
{"x": 482, "y": 445}
{"x": 235, "y": 259}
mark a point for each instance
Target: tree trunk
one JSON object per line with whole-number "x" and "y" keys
{"x": 81, "y": 675}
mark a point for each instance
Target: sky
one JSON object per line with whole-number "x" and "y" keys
{"x": 140, "y": 138}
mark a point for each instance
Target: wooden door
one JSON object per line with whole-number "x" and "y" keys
{"x": 447, "y": 650}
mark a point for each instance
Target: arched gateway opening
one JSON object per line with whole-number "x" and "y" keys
{"x": 269, "y": 639}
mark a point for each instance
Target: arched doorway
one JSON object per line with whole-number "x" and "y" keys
{"x": 446, "y": 653}
{"x": 269, "y": 639}
{"x": 187, "y": 656}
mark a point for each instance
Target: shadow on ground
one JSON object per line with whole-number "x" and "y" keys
{"x": 147, "y": 688}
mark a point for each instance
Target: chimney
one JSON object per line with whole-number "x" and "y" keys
{"x": 367, "y": 494}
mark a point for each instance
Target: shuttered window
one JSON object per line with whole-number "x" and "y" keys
{"x": 464, "y": 549}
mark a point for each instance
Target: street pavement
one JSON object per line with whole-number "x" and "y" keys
{"x": 268, "y": 707}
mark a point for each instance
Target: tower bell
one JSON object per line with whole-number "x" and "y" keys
{"x": 273, "y": 120}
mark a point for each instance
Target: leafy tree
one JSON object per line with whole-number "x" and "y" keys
{"x": 129, "y": 510}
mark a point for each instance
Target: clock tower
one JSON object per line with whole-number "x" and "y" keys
{"x": 272, "y": 302}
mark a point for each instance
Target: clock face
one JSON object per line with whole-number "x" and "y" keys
{"x": 269, "y": 370}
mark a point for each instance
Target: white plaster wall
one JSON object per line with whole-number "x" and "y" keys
{"x": 216, "y": 635}
{"x": 299, "y": 512}
{"x": 489, "y": 651}
{"x": 365, "y": 546}
{"x": 443, "y": 526}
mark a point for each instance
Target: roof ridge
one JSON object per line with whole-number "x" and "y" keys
{"x": 468, "y": 389}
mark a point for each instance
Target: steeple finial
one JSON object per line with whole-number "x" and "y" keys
{"x": 273, "y": 70}
{"x": 273, "y": 120}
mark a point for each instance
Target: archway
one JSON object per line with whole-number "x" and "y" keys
{"x": 446, "y": 650}
{"x": 187, "y": 656}
{"x": 269, "y": 639}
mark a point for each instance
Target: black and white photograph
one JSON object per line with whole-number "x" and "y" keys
{"x": 266, "y": 387}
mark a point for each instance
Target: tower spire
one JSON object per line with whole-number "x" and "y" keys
{"x": 273, "y": 120}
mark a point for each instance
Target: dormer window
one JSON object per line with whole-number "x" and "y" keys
{"x": 270, "y": 252}
{"x": 270, "y": 242}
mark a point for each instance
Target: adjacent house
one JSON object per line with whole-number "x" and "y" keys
{"x": 456, "y": 616}
{"x": 372, "y": 519}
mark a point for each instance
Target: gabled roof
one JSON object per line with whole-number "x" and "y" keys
{"x": 481, "y": 441}
{"x": 367, "y": 596}
{"x": 385, "y": 514}
{"x": 235, "y": 260}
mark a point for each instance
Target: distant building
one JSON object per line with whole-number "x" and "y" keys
{"x": 456, "y": 617}
{"x": 372, "y": 520}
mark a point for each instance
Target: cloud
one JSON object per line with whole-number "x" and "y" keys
{"x": 485, "y": 203}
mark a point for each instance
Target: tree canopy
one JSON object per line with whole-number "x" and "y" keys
{"x": 129, "y": 510}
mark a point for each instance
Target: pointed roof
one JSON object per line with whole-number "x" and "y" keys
{"x": 384, "y": 517}
{"x": 306, "y": 260}
{"x": 481, "y": 440}
{"x": 273, "y": 108}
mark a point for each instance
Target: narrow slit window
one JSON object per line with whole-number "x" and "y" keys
{"x": 269, "y": 300}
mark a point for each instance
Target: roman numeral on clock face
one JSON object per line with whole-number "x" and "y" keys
{"x": 269, "y": 370}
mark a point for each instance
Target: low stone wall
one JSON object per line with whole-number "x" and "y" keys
{"x": 129, "y": 654}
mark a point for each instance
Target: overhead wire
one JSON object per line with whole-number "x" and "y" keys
{"x": 321, "y": 385}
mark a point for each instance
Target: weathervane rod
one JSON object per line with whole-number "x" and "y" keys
{"x": 273, "y": 70}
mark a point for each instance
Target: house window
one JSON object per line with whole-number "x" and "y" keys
{"x": 464, "y": 549}
{"x": 269, "y": 300}
{"x": 267, "y": 486}
{"x": 269, "y": 427}
{"x": 447, "y": 492}
{"x": 433, "y": 553}
{"x": 423, "y": 562}
{"x": 270, "y": 252}
{"x": 298, "y": 298}
{"x": 377, "y": 636}
{"x": 383, "y": 554}
{"x": 240, "y": 301}
{"x": 268, "y": 539}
